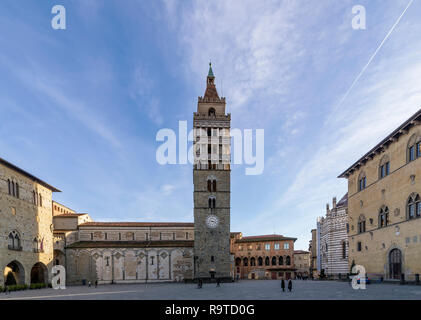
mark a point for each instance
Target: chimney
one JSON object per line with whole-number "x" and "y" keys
{"x": 334, "y": 202}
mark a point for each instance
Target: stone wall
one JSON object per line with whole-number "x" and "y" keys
{"x": 129, "y": 265}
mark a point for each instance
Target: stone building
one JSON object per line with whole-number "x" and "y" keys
{"x": 212, "y": 184}
{"x": 263, "y": 257}
{"x": 301, "y": 263}
{"x": 312, "y": 248}
{"x": 334, "y": 239}
{"x": 38, "y": 233}
{"x": 384, "y": 205}
{"x": 26, "y": 226}
{"x": 130, "y": 252}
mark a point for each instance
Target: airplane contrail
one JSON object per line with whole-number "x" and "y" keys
{"x": 374, "y": 54}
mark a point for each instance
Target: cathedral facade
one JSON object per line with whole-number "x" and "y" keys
{"x": 38, "y": 233}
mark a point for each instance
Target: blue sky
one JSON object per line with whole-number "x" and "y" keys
{"x": 80, "y": 107}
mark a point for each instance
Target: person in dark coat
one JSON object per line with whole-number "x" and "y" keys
{"x": 283, "y": 285}
{"x": 218, "y": 282}
{"x": 289, "y": 285}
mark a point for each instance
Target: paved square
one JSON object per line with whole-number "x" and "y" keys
{"x": 243, "y": 290}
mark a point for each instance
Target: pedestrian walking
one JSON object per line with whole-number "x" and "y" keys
{"x": 89, "y": 284}
{"x": 290, "y": 285}
{"x": 96, "y": 283}
{"x": 283, "y": 285}
{"x": 218, "y": 282}
{"x": 6, "y": 290}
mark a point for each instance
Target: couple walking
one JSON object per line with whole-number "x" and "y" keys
{"x": 289, "y": 285}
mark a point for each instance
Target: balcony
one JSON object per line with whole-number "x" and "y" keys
{"x": 14, "y": 248}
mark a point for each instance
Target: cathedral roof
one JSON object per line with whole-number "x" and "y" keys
{"x": 344, "y": 201}
{"x": 132, "y": 244}
{"x": 137, "y": 224}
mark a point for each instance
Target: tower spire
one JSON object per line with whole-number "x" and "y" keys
{"x": 211, "y": 91}
{"x": 210, "y": 73}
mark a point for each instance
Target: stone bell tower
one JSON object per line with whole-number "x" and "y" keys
{"x": 211, "y": 179}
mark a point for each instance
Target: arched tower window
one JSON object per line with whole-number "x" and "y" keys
{"x": 211, "y": 203}
{"x": 260, "y": 261}
{"x": 273, "y": 261}
{"x": 267, "y": 262}
{"x": 281, "y": 261}
{"x": 211, "y": 112}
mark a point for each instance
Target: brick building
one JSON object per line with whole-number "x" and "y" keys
{"x": 263, "y": 257}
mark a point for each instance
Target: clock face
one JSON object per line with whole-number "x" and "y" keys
{"x": 212, "y": 221}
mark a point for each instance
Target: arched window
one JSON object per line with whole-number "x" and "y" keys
{"x": 212, "y": 202}
{"x": 17, "y": 190}
{"x": 260, "y": 261}
{"x": 383, "y": 217}
{"x": 14, "y": 241}
{"x": 211, "y": 112}
{"x": 414, "y": 148}
{"x": 413, "y": 206}
{"x": 362, "y": 181}
{"x": 273, "y": 261}
{"x": 252, "y": 262}
{"x": 361, "y": 224}
{"x": 214, "y": 185}
{"x": 209, "y": 131}
{"x": 281, "y": 261}
{"x": 209, "y": 186}
{"x": 40, "y": 200}
{"x": 13, "y": 188}
{"x": 237, "y": 262}
{"x": 34, "y": 197}
{"x": 245, "y": 262}
{"x": 267, "y": 261}
{"x": 384, "y": 167}
{"x": 288, "y": 260}
{"x": 9, "y": 186}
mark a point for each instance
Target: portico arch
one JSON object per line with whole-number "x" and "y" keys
{"x": 39, "y": 273}
{"x": 14, "y": 273}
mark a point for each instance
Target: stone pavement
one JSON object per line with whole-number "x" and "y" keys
{"x": 243, "y": 290}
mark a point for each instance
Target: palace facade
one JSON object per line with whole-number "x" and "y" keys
{"x": 384, "y": 205}
{"x": 263, "y": 257}
{"x": 302, "y": 263}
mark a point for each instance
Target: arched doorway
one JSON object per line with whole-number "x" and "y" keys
{"x": 395, "y": 264}
{"x": 39, "y": 273}
{"x": 14, "y": 273}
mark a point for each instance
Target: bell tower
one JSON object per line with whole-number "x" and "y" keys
{"x": 211, "y": 179}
